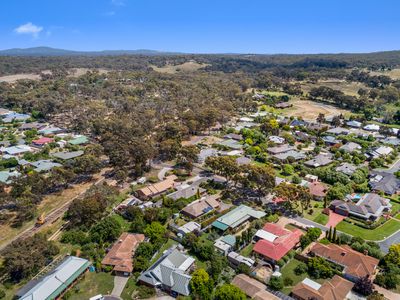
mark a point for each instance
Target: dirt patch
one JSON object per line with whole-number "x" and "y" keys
{"x": 15, "y": 77}
{"x": 189, "y": 66}
{"x": 349, "y": 88}
{"x": 394, "y": 74}
{"x": 76, "y": 72}
{"x": 310, "y": 110}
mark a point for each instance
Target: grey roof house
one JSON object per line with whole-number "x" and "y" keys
{"x": 319, "y": 161}
{"x": 370, "y": 206}
{"x": 384, "y": 182}
{"x": 170, "y": 273}
{"x": 292, "y": 153}
{"x": 346, "y": 168}
{"x": 350, "y": 147}
{"x": 64, "y": 155}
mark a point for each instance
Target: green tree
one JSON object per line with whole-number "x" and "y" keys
{"x": 155, "y": 231}
{"x": 276, "y": 283}
{"x": 201, "y": 284}
{"x": 229, "y": 292}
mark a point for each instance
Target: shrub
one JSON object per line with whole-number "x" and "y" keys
{"x": 287, "y": 281}
{"x": 2, "y": 294}
{"x": 276, "y": 283}
{"x": 345, "y": 238}
{"x": 301, "y": 268}
{"x": 145, "y": 292}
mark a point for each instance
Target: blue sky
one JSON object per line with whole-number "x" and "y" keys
{"x": 203, "y": 26}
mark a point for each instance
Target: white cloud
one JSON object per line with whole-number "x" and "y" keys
{"x": 118, "y": 2}
{"x": 29, "y": 28}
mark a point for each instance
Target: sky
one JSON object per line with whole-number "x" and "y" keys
{"x": 203, "y": 26}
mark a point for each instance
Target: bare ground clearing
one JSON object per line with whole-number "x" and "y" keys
{"x": 189, "y": 66}
{"x": 309, "y": 110}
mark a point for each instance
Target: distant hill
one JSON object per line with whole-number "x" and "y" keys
{"x": 48, "y": 51}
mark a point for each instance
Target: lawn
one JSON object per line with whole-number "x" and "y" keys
{"x": 376, "y": 234}
{"x": 92, "y": 284}
{"x": 397, "y": 216}
{"x": 315, "y": 210}
{"x": 246, "y": 251}
{"x": 321, "y": 219}
{"x": 288, "y": 271}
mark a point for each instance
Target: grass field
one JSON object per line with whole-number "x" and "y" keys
{"x": 189, "y": 66}
{"x": 246, "y": 251}
{"x": 321, "y": 219}
{"x": 309, "y": 110}
{"x": 92, "y": 284}
{"x": 349, "y": 88}
{"x": 288, "y": 271}
{"x": 315, "y": 211}
{"x": 376, "y": 234}
{"x": 394, "y": 74}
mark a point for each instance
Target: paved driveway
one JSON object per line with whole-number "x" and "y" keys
{"x": 334, "y": 219}
{"x": 119, "y": 285}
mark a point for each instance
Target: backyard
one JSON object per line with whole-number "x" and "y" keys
{"x": 315, "y": 213}
{"x": 92, "y": 284}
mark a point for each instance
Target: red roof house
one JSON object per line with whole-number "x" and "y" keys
{"x": 274, "y": 242}
{"x": 42, "y": 141}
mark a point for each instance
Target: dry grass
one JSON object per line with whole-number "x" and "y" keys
{"x": 15, "y": 77}
{"x": 394, "y": 74}
{"x": 310, "y": 110}
{"x": 349, "y": 88}
{"x": 189, "y": 66}
{"x": 76, "y": 72}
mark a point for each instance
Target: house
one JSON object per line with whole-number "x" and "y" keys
{"x": 280, "y": 149}
{"x": 290, "y": 154}
{"x": 243, "y": 160}
{"x": 7, "y": 176}
{"x": 231, "y": 143}
{"x": 56, "y": 282}
{"x": 355, "y": 264}
{"x": 30, "y": 126}
{"x": 42, "y": 141}
{"x": 225, "y": 244}
{"x": 346, "y": 168}
{"x": 274, "y": 242}
{"x": 64, "y": 155}
{"x": 336, "y": 288}
{"x": 380, "y": 151}
{"x": 302, "y": 136}
{"x": 276, "y": 139}
{"x": 13, "y": 116}
{"x": 298, "y": 123}
{"x": 158, "y": 188}
{"x": 235, "y": 260}
{"x": 50, "y": 130}
{"x": 234, "y": 136}
{"x": 319, "y": 161}
{"x": 79, "y": 140}
{"x": 188, "y": 228}
{"x": 170, "y": 273}
{"x": 350, "y": 147}
{"x": 338, "y": 131}
{"x": 369, "y": 207}
{"x": 44, "y": 165}
{"x": 330, "y": 140}
{"x": 311, "y": 178}
{"x": 253, "y": 288}
{"x": 318, "y": 190}
{"x": 283, "y": 105}
{"x": 384, "y": 182}
{"x": 186, "y": 191}
{"x": 16, "y": 150}
{"x": 120, "y": 255}
{"x": 202, "y": 206}
{"x": 205, "y": 153}
{"x": 372, "y": 127}
{"x": 354, "y": 124}
{"x": 237, "y": 217}
{"x": 393, "y": 141}
{"x": 317, "y": 126}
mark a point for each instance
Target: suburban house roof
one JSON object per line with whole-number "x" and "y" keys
{"x": 276, "y": 241}
{"x": 319, "y": 161}
{"x": 201, "y": 206}
{"x": 64, "y": 155}
{"x": 120, "y": 255}
{"x": 252, "y": 287}
{"x": 189, "y": 227}
{"x": 236, "y": 217}
{"x": 159, "y": 187}
{"x": 79, "y": 140}
{"x": 350, "y": 147}
{"x": 372, "y": 127}
{"x": 385, "y": 182}
{"x": 330, "y": 139}
{"x": 44, "y": 165}
{"x": 56, "y": 281}
{"x": 234, "y": 136}
{"x": 355, "y": 263}
{"x": 317, "y": 189}
{"x": 186, "y": 193}
{"x": 292, "y": 153}
{"x": 15, "y": 150}
{"x": 240, "y": 259}
{"x": 353, "y": 123}
{"x": 243, "y": 160}
{"x": 381, "y": 151}
{"x": 346, "y": 168}
{"x": 42, "y": 141}
{"x": 336, "y": 288}
{"x": 32, "y": 125}
{"x": 5, "y": 176}
{"x": 170, "y": 270}
{"x": 231, "y": 143}
{"x": 50, "y": 130}
{"x": 338, "y": 131}
{"x": 280, "y": 149}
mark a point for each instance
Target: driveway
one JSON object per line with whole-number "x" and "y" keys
{"x": 163, "y": 171}
{"x": 334, "y": 219}
{"x": 119, "y": 285}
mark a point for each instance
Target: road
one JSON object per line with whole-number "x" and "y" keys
{"x": 394, "y": 167}
{"x": 51, "y": 217}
